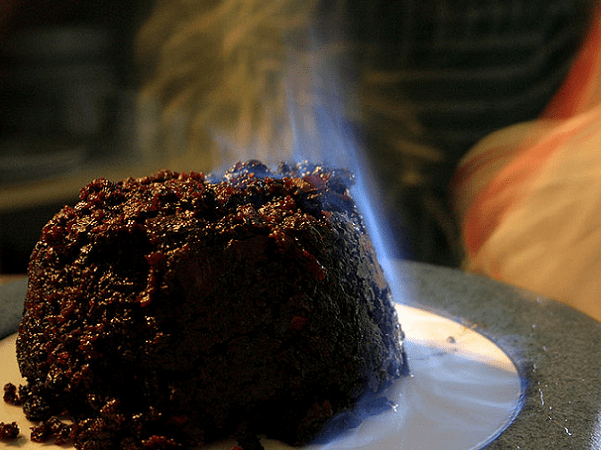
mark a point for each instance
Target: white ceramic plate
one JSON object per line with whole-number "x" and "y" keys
{"x": 463, "y": 391}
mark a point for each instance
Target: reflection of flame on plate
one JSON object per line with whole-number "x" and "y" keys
{"x": 462, "y": 392}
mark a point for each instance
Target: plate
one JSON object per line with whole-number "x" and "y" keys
{"x": 462, "y": 392}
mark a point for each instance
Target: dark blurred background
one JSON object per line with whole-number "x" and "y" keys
{"x": 69, "y": 82}
{"x": 67, "y": 97}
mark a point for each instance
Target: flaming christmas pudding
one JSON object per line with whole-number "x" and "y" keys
{"x": 176, "y": 310}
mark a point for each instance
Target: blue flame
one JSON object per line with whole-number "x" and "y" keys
{"x": 323, "y": 134}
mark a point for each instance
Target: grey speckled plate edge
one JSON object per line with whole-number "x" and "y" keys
{"x": 12, "y": 296}
{"x": 557, "y": 350}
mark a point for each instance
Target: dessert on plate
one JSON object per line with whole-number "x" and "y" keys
{"x": 175, "y": 310}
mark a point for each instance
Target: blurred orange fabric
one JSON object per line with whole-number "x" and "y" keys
{"x": 529, "y": 196}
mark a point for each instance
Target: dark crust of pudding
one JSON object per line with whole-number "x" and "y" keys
{"x": 175, "y": 310}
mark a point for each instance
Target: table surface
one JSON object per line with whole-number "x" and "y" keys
{"x": 556, "y": 349}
